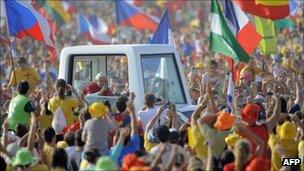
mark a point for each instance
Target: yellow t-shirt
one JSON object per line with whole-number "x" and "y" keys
{"x": 24, "y": 73}
{"x": 147, "y": 144}
{"x": 198, "y": 143}
{"x": 58, "y": 169}
{"x": 45, "y": 121}
{"x": 84, "y": 164}
{"x": 48, "y": 151}
{"x": 39, "y": 167}
{"x": 67, "y": 105}
{"x": 289, "y": 148}
{"x": 301, "y": 153}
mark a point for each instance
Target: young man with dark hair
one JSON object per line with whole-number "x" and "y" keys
{"x": 75, "y": 159}
{"x": 163, "y": 135}
{"x": 49, "y": 145}
{"x": 69, "y": 138}
{"x": 20, "y": 107}
{"x": 145, "y": 115}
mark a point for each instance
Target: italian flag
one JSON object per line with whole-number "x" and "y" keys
{"x": 222, "y": 39}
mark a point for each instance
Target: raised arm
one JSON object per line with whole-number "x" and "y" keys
{"x": 32, "y": 133}
{"x": 154, "y": 118}
{"x": 198, "y": 111}
{"x": 131, "y": 109}
{"x": 252, "y": 137}
{"x": 276, "y": 116}
{"x": 79, "y": 98}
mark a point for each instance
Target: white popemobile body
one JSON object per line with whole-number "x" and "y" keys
{"x": 148, "y": 68}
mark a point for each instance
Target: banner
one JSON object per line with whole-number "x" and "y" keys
{"x": 265, "y": 27}
{"x": 284, "y": 23}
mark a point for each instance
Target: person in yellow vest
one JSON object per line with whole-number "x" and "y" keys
{"x": 20, "y": 107}
{"x": 67, "y": 104}
{"x": 24, "y": 73}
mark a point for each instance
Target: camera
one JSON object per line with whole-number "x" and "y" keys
{"x": 169, "y": 105}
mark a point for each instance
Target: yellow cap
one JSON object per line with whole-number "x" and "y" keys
{"x": 232, "y": 139}
{"x": 62, "y": 144}
{"x": 98, "y": 109}
{"x": 288, "y": 130}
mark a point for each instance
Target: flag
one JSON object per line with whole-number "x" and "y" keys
{"x": 241, "y": 27}
{"x": 265, "y": 8}
{"x": 69, "y": 6}
{"x": 23, "y": 20}
{"x": 171, "y": 5}
{"x": 222, "y": 39}
{"x": 230, "y": 93}
{"x": 137, "y": 3}
{"x": 265, "y": 28}
{"x": 284, "y": 23}
{"x": 86, "y": 28}
{"x": 234, "y": 75}
{"x": 294, "y": 5}
{"x": 129, "y": 15}
{"x": 54, "y": 10}
{"x": 98, "y": 24}
{"x": 163, "y": 33}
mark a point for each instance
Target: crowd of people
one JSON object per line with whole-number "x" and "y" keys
{"x": 264, "y": 125}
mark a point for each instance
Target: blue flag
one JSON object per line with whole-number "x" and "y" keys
{"x": 162, "y": 33}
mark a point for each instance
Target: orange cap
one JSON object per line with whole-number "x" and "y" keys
{"x": 224, "y": 121}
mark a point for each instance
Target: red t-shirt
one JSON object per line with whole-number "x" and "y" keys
{"x": 261, "y": 131}
{"x": 255, "y": 164}
{"x": 94, "y": 88}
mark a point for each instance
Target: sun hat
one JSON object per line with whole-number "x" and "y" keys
{"x": 232, "y": 139}
{"x": 224, "y": 121}
{"x": 131, "y": 160}
{"x": 98, "y": 109}
{"x": 105, "y": 163}
{"x": 288, "y": 131}
{"x": 23, "y": 157}
{"x": 250, "y": 113}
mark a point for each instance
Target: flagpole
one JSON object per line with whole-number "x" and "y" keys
{"x": 10, "y": 47}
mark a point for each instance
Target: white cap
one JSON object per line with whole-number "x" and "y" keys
{"x": 98, "y": 76}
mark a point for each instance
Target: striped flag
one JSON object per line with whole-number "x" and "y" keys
{"x": 24, "y": 20}
{"x": 241, "y": 27}
{"x": 53, "y": 10}
{"x": 86, "y": 28}
{"x": 127, "y": 14}
{"x": 271, "y": 9}
{"x": 222, "y": 39}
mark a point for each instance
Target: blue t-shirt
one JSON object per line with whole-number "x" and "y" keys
{"x": 131, "y": 147}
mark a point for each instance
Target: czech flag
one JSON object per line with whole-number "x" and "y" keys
{"x": 241, "y": 27}
{"x": 129, "y": 15}
{"x": 273, "y": 10}
{"x": 87, "y": 28}
{"x": 24, "y": 20}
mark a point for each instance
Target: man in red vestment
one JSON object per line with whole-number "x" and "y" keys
{"x": 99, "y": 86}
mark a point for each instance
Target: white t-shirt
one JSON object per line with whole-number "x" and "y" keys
{"x": 70, "y": 151}
{"x": 145, "y": 116}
